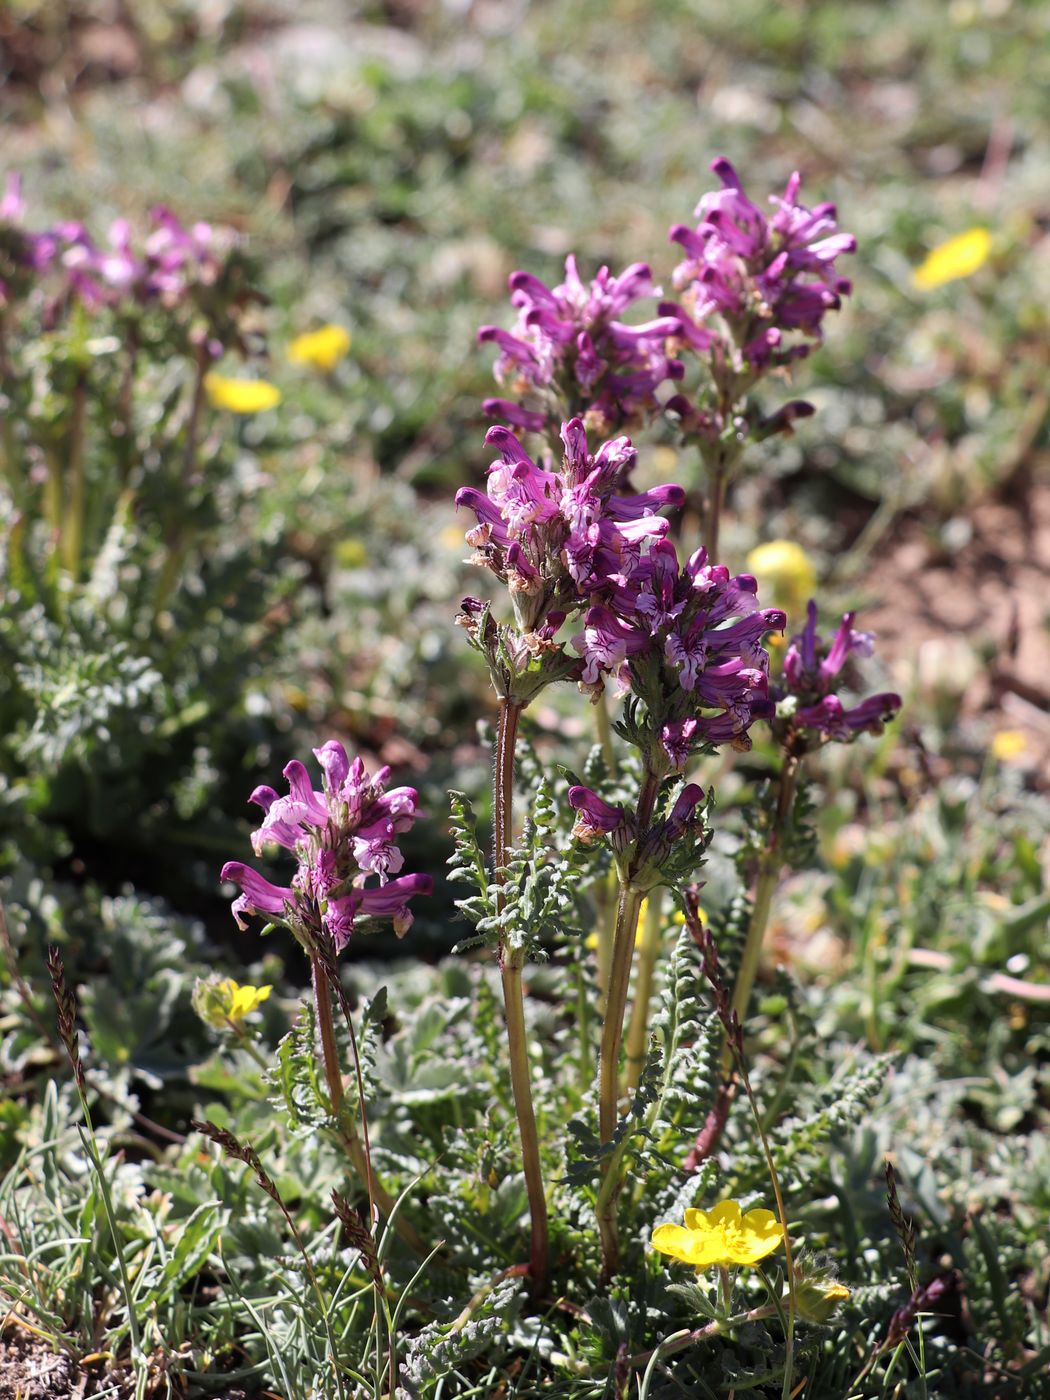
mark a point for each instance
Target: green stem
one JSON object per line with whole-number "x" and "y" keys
{"x": 713, "y": 514}
{"x": 7, "y": 419}
{"x": 583, "y": 1025}
{"x": 778, "y": 1197}
{"x": 638, "y": 1027}
{"x": 603, "y": 728}
{"x": 360, "y": 1160}
{"x": 512, "y": 963}
{"x": 73, "y": 524}
{"x": 176, "y": 541}
{"x": 627, "y": 908}
{"x": 127, "y": 398}
{"x": 193, "y": 423}
{"x": 768, "y": 878}
{"x": 605, "y": 895}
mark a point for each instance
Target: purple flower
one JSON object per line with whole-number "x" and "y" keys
{"x": 811, "y": 673}
{"x": 767, "y": 276}
{"x": 555, "y": 538}
{"x": 341, "y": 836}
{"x": 569, "y": 345}
{"x": 688, "y": 641}
{"x": 258, "y": 895}
{"x": 682, "y": 812}
{"x": 595, "y": 817}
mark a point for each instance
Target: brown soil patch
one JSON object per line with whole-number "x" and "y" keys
{"x": 974, "y": 620}
{"x": 30, "y": 1370}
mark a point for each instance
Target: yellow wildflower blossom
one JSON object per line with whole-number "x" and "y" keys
{"x": 959, "y": 257}
{"x": 243, "y": 1000}
{"x": 819, "y": 1298}
{"x": 1008, "y": 743}
{"x": 240, "y": 395}
{"x": 785, "y": 569}
{"x": 221, "y": 1002}
{"x": 720, "y": 1237}
{"x": 321, "y": 349}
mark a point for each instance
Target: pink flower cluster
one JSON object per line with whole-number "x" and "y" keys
{"x": 755, "y": 288}
{"x": 765, "y": 276}
{"x": 556, "y": 537}
{"x": 342, "y": 837}
{"x": 165, "y": 267}
{"x": 687, "y": 640}
{"x": 570, "y": 340}
{"x": 811, "y": 675}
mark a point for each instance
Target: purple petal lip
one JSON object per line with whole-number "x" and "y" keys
{"x": 599, "y": 812}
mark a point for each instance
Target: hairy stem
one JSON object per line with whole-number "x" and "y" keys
{"x": 512, "y": 963}
{"x": 768, "y": 878}
{"x": 713, "y": 514}
{"x": 638, "y": 1026}
{"x": 627, "y": 908}
{"x": 603, "y": 730}
{"x": 73, "y": 524}
{"x": 360, "y": 1159}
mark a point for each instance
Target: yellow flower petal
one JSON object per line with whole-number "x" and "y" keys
{"x": 959, "y": 257}
{"x": 784, "y": 569}
{"x": 1008, "y": 743}
{"x": 240, "y": 395}
{"x": 818, "y": 1299}
{"x": 321, "y": 349}
{"x": 760, "y": 1234}
{"x": 238, "y": 1001}
{"x": 701, "y": 1250}
{"x": 721, "y": 1236}
{"x": 245, "y": 1000}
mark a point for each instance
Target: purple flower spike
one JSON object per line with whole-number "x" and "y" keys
{"x": 258, "y": 895}
{"x": 342, "y": 836}
{"x": 688, "y": 641}
{"x": 767, "y": 276}
{"x": 570, "y": 345}
{"x": 682, "y": 812}
{"x": 811, "y": 671}
{"x": 557, "y": 538}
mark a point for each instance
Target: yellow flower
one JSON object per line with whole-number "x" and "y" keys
{"x": 959, "y": 257}
{"x": 679, "y": 918}
{"x": 240, "y": 395}
{"x": 243, "y": 1000}
{"x": 321, "y": 349}
{"x": 819, "y": 1298}
{"x": 220, "y": 1002}
{"x": 720, "y": 1237}
{"x": 591, "y": 941}
{"x": 786, "y": 570}
{"x": 1008, "y": 743}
